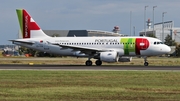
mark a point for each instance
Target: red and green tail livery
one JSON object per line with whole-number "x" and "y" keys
{"x": 27, "y": 24}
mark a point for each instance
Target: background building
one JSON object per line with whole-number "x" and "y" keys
{"x": 81, "y": 33}
{"x": 161, "y": 30}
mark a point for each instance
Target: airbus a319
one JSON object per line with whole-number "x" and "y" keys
{"x": 104, "y": 49}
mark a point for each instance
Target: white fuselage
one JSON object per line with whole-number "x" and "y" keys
{"x": 128, "y": 47}
{"x": 106, "y": 49}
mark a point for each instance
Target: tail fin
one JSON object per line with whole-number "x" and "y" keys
{"x": 29, "y": 28}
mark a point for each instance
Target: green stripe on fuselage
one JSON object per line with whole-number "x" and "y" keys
{"x": 129, "y": 45}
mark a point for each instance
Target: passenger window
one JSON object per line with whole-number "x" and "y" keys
{"x": 154, "y": 42}
{"x": 157, "y": 42}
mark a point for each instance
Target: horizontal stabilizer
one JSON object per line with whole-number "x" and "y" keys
{"x": 24, "y": 42}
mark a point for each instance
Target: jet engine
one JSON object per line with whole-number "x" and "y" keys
{"x": 109, "y": 56}
{"x": 125, "y": 59}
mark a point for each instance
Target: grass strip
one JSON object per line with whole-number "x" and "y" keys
{"x": 30, "y": 85}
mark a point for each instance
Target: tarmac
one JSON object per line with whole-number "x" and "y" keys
{"x": 82, "y": 67}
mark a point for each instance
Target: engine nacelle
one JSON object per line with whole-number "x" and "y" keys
{"x": 125, "y": 59}
{"x": 109, "y": 56}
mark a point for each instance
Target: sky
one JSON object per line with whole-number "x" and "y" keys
{"x": 86, "y": 15}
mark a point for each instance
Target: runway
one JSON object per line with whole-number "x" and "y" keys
{"x": 81, "y": 67}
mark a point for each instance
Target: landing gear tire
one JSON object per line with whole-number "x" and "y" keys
{"x": 88, "y": 63}
{"x": 98, "y": 62}
{"x": 146, "y": 63}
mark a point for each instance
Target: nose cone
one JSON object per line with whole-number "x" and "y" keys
{"x": 167, "y": 49}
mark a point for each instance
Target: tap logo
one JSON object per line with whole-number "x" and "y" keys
{"x": 28, "y": 24}
{"x": 134, "y": 45}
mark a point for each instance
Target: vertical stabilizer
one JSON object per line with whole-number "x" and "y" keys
{"x": 29, "y": 28}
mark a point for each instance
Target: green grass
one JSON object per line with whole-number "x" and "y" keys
{"x": 30, "y": 85}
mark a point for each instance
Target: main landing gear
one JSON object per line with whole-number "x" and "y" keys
{"x": 145, "y": 61}
{"x": 98, "y": 62}
{"x": 89, "y": 62}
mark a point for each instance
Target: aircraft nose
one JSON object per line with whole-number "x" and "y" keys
{"x": 168, "y": 49}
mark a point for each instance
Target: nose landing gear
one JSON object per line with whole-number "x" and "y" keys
{"x": 145, "y": 61}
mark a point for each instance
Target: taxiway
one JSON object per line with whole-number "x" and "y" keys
{"x": 81, "y": 67}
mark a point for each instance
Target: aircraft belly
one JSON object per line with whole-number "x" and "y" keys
{"x": 146, "y": 53}
{"x": 65, "y": 52}
{"x": 132, "y": 53}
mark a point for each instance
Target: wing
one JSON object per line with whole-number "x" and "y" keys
{"x": 86, "y": 50}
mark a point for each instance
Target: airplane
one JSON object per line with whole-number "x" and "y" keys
{"x": 104, "y": 49}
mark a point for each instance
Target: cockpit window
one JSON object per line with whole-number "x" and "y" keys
{"x": 156, "y": 43}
